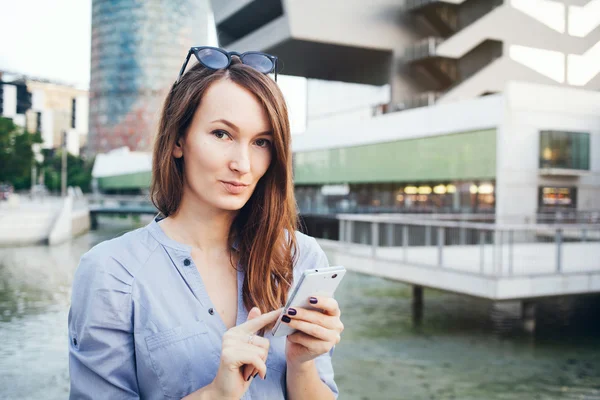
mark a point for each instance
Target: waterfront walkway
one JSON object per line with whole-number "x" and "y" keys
{"x": 490, "y": 261}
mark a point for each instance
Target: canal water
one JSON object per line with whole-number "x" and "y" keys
{"x": 465, "y": 348}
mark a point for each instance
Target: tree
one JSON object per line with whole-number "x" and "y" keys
{"x": 79, "y": 171}
{"x": 16, "y": 153}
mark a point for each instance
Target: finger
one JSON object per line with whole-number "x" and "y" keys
{"x": 261, "y": 343}
{"x": 314, "y": 330}
{"x": 251, "y": 356}
{"x": 254, "y": 312}
{"x": 259, "y": 322}
{"x": 316, "y": 317}
{"x": 247, "y": 370}
{"x": 329, "y": 305}
{"x": 314, "y": 345}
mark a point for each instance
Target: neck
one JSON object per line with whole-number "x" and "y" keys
{"x": 202, "y": 228}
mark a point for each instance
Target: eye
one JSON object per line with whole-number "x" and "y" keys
{"x": 220, "y": 134}
{"x": 263, "y": 143}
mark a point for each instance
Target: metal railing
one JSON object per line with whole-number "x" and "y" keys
{"x": 425, "y": 48}
{"x": 499, "y": 250}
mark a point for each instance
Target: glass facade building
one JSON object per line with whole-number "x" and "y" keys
{"x": 137, "y": 49}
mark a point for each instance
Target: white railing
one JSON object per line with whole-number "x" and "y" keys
{"x": 488, "y": 249}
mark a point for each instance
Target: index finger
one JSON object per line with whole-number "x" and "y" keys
{"x": 329, "y": 305}
{"x": 260, "y": 322}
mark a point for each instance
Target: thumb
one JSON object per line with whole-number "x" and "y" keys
{"x": 254, "y": 312}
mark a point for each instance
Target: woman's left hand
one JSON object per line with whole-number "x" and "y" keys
{"x": 317, "y": 331}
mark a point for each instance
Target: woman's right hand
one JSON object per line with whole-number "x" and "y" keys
{"x": 238, "y": 350}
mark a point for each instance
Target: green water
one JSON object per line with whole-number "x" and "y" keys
{"x": 459, "y": 352}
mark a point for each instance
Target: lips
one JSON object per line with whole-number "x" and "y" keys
{"x": 234, "y": 187}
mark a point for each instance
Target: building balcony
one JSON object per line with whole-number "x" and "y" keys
{"x": 423, "y": 56}
{"x": 423, "y": 99}
{"x": 420, "y": 5}
{"x": 306, "y": 44}
{"x": 422, "y": 50}
{"x": 237, "y": 18}
{"x": 443, "y": 16}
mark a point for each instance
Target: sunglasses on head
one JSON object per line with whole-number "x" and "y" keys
{"x": 215, "y": 58}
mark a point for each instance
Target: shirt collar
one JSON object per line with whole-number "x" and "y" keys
{"x": 163, "y": 239}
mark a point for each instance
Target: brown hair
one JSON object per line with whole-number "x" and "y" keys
{"x": 264, "y": 229}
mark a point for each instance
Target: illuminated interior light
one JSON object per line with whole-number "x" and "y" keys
{"x": 410, "y": 190}
{"x": 473, "y": 189}
{"x": 451, "y": 189}
{"x": 485, "y": 188}
{"x": 439, "y": 189}
{"x": 424, "y": 190}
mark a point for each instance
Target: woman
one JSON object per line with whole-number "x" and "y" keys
{"x": 177, "y": 309}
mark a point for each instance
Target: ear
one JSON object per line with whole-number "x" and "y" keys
{"x": 178, "y": 148}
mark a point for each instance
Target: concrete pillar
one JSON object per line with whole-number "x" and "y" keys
{"x": 374, "y": 238}
{"x": 349, "y": 231}
{"x": 417, "y": 305}
{"x": 94, "y": 221}
{"x": 528, "y": 316}
{"x": 390, "y": 234}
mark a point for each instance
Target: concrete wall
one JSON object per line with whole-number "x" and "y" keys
{"x": 441, "y": 119}
{"x": 528, "y": 109}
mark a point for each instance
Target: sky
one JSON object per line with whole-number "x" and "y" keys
{"x": 47, "y": 39}
{"x": 51, "y": 39}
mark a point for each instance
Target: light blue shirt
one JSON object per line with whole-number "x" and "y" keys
{"x": 141, "y": 324}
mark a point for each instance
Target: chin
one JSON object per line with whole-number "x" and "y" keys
{"x": 234, "y": 204}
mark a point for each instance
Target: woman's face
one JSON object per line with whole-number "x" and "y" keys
{"x": 227, "y": 148}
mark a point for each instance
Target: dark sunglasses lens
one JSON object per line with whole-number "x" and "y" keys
{"x": 259, "y": 62}
{"x": 213, "y": 58}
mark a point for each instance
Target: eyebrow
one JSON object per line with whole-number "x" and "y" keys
{"x": 235, "y": 127}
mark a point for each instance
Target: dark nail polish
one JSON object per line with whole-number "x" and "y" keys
{"x": 255, "y": 375}
{"x": 286, "y": 319}
{"x": 313, "y": 300}
{"x": 248, "y": 378}
{"x": 265, "y": 377}
{"x": 291, "y": 311}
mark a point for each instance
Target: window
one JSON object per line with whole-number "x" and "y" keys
{"x": 73, "y": 112}
{"x": 568, "y": 150}
{"x": 557, "y": 197}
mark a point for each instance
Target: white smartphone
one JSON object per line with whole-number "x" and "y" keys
{"x": 322, "y": 281}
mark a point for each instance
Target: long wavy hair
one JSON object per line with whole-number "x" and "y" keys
{"x": 263, "y": 231}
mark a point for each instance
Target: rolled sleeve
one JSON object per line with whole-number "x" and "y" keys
{"x": 101, "y": 349}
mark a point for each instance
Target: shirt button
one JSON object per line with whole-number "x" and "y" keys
{"x": 211, "y": 311}
{"x": 187, "y": 262}
{"x": 74, "y": 342}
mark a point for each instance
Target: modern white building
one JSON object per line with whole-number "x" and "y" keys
{"x": 493, "y": 105}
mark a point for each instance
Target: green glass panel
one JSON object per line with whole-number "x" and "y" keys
{"x": 460, "y": 156}
{"x": 139, "y": 180}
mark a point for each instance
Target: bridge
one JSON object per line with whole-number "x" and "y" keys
{"x": 118, "y": 205}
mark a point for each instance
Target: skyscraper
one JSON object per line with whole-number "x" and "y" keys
{"x": 136, "y": 51}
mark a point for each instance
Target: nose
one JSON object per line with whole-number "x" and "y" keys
{"x": 240, "y": 161}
